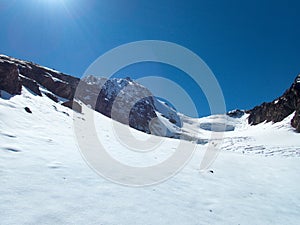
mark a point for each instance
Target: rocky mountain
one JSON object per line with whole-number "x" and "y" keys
{"x": 15, "y": 73}
{"x": 121, "y": 99}
{"x": 280, "y": 108}
{"x": 128, "y": 102}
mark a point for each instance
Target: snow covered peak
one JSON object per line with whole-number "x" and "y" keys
{"x": 96, "y": 80}
{"x": 117, "y": 98}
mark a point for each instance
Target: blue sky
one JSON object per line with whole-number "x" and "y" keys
{"x": 252, "y": 47}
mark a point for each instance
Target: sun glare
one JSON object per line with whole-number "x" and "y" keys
{"x": 53, "y": 2}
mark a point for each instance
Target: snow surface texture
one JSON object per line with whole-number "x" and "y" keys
{"x": 44, "y": 179}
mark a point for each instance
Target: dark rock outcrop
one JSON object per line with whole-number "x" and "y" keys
{"x": 32, "y": 76}
{"x": 73, "y": 105}
{"x": 120, "y": 99}
{"x": 125, "y": 101}
{"x": 237, "y": 113}
{"x": 141, "y": 115}
{"x": 9, "y": 78}
{"x": 296, "y": 121}
{"x": 59, "y": 84}
{"x": 31, "y": 85}
{"x": 280, "y": 108}
{"x": 52, "y": 97}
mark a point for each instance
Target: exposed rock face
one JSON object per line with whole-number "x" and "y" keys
{"x": 33, "y": 76}
{"x": 280, "y": 108}
{"x": 73, "y": 105}
{"x": 120, "y": 99}
{"x": 60, "y": 84}
{"x": 9, "y": 78}
{"x": 31, "y": 85}
{"x": 142, "y": 114}
{"x": 296, "y": 121}
{"x": 52, "y": 97}
{"x": 237, "y": 113}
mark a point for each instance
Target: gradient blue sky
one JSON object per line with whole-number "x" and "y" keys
{"x": 252, "y": 47}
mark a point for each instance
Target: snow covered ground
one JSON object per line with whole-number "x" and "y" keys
{"x": 44, "y": 179}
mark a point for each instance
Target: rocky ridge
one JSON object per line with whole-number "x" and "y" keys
{"x": 280, "y": 108}
{"x": 125, "y": 100}
{"x": 121, "y": 99}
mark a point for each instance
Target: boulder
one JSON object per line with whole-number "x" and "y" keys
{"x": 28, "y": 110}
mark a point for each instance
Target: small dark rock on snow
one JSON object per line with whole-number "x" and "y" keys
{"x": 27, "y": 110}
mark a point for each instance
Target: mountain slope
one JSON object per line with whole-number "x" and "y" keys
{"x": 34, "y": 76}
{"x": 129, "y": 102}
{"x": 121, "y": 99}
{"x": 44, "y": 179}
{"x": 280, "y": 108}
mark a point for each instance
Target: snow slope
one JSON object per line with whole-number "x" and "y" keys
{"x": 44, "y": 179}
